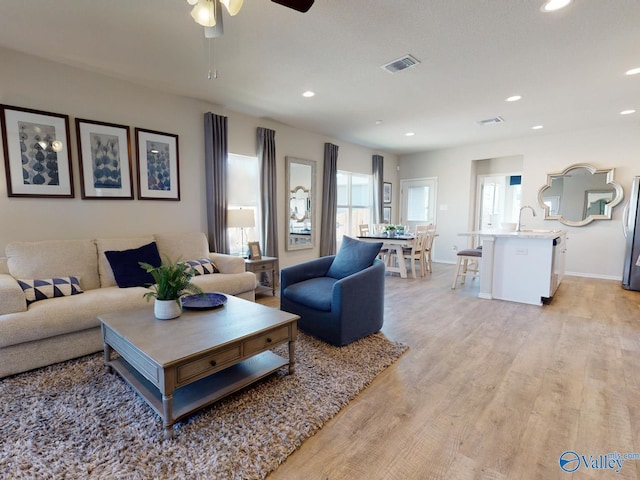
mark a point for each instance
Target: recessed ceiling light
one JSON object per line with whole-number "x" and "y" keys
{"x": 308, "y": 94}
{"x": 409, "y": 134}
{"x": 537, "y": 127}
{"x": 553, "y": 5}
{"x": 633, "y": 71}
{"x": 513, "y": 98}
{"x": 627, "y": 112}
{"x": 378, "y": 122}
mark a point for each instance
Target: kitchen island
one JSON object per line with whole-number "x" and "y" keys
{"x": 525, "y": 267}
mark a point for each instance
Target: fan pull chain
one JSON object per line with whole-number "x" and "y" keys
{"x": 211, "y": 74}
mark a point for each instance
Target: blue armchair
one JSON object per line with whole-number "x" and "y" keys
{"x": 339, "y": 298}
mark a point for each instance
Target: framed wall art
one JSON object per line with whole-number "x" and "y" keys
{"x": 386, "y": 192}
{"x": 36, "y": 153}
{"x": 254, "y": 251}
{"x": 105, "y": 160}
{"x": 386, "y": 215}
{"x": 158, "y": 165}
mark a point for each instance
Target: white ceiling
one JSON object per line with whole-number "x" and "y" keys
{"x": 569, "y": 65}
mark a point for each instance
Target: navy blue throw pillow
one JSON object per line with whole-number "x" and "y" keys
{"x": 354, "y": 256}
{"x": 126, "y": 269}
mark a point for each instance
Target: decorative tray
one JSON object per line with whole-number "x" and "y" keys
{"x": 205, "y": 301}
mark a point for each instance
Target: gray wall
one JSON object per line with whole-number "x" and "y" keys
{"x": 31, "y": 82}
{"x": 594, "y": 250}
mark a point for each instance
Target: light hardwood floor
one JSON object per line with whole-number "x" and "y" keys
{"x": 489, "y": 389}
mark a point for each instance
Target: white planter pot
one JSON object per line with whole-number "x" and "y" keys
{"x": 166, "y": 309}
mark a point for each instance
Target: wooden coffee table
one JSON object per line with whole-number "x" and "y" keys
{"x": 179, "y": 366}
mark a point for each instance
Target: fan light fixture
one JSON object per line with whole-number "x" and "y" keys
{"x": 553, "y": 5}
{"x": 208, "y": 13}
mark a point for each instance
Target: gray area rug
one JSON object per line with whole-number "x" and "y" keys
{"x": 73, "y": 420}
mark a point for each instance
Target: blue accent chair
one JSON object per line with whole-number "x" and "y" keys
{"x": 335, "y": 310}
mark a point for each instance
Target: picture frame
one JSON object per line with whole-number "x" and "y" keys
{"x": 255, "y": 253}
{"x": 386, "y": 192}
{"x": 36, "y": 147}
{"x": 158, "y": 165}
{"x": 104, "y": 157}
{"x": 386, "y": 214}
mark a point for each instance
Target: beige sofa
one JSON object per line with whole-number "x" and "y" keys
{"x": 56, "y": 329}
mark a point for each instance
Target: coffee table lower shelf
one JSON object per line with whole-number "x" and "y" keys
{"x": 194, "y": 396}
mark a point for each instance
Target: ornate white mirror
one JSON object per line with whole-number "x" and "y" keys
{"x": 301, "y": 175}
{"x": 579, "y": 195}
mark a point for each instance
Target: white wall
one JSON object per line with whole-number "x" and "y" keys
{"x": 31, "y": 82}
{"x": 593, "y": 250}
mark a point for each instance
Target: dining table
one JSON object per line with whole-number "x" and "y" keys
{"x": 393, "y": 245}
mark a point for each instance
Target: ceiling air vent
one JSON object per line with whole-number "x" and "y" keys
{"x": 400, "y": 64}
{"x": 491, "y": 121}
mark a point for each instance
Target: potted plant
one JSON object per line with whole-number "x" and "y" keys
{"x": 173, "y": 279}
{"x": 390, "y": 230}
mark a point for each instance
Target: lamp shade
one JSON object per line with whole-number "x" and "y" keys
{"x": 241, "y": 218}
{"x": 233, "y": 6}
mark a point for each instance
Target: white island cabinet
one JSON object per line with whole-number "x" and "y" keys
{"x": 525, "y": 267}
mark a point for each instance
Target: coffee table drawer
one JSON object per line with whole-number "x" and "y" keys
{"x": 208, "y": 364}
{"x": 266, "y": 340}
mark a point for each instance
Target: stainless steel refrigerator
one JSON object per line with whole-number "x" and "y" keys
{"x": 631, "y": 226}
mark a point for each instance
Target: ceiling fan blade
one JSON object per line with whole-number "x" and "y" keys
{"x": 299, "y": 5}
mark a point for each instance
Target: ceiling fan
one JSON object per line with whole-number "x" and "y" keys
{"x": 208, "y": 13}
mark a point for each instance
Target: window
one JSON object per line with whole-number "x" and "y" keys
{"x": 355, "y": 203}
{"x": 418, "y": 200}
{"x": 243, "y": 187}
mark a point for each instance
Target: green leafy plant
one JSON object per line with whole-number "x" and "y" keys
{"x": 173, "y": 279}
{"x": 389, "y": 228}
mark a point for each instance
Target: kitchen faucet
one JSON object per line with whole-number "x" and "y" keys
{"x": 520, "y": 216}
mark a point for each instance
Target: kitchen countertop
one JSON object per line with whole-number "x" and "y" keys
{"x": 533, "y": 233}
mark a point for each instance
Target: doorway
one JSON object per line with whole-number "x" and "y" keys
{"x": 498, "y": 191}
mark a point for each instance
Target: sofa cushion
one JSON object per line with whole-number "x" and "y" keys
{"x": 126, "y": 265}
{"x": 182, "y": 246}
{"x": 353, "y": 256}
{"x": 55, "y": 258}
{"x": 42, "y": 289}
{"x": 315, "y": 293}
{"x": 122, "y": 243}
{"x": 64, "y": 315}
{"x": 204, "y": 266}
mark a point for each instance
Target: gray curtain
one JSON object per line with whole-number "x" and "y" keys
{"x": 329, "y": 200}
{"x": 377, "y": 168}
{"x": 215, "y": 158}
{"x": 268, "y": 196}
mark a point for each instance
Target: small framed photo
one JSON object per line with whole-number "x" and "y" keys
{"x": 37, "y": 154}
{"x": 386, "y": 214}
{"x": 254, "y": 251}
{"x": 158, "y": 165}
{"x": 105, "y": 160}
{"x": 386, "y": 192}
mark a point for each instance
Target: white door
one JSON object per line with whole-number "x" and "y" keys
{"x": 418, "y": 198}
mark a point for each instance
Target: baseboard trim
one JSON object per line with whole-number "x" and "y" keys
{"x": 594, "y": 275}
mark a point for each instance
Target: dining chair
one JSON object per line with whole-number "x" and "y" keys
{"x": 364, "y": 229}
{"x": 426, "y": 228}
{"x": 427, "y": 249}
{"x": 468, "y": 265}
{"x": 416, "y": 253}
{"x": 378, "y": 228}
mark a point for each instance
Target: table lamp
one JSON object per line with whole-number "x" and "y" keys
{"x": 241, "y": 218}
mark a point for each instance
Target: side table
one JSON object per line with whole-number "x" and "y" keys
{"x": 265, "y": 269}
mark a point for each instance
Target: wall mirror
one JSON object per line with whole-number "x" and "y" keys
{"x": 580, "y": 195}
{"x": 301, "y": 178}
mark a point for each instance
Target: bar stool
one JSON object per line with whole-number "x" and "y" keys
{"x": 468, "y": 265}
